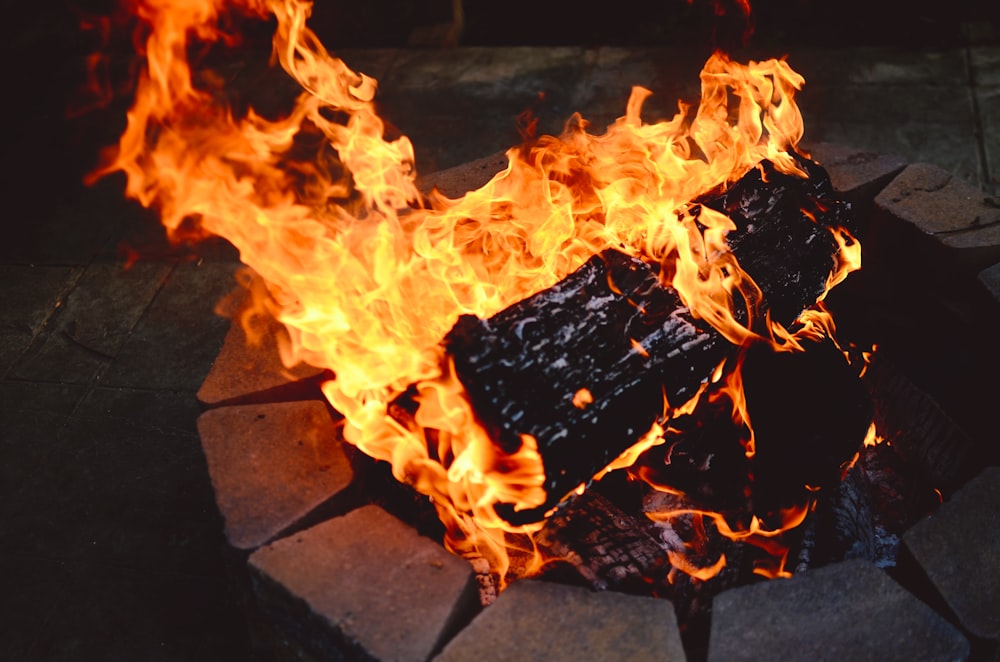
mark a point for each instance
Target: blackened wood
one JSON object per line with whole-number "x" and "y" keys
{"x": 810, "y": 414}
{"x": 523, "y": 367}
{"x": 608, "y": 547}
{"x": 613, "y": 329}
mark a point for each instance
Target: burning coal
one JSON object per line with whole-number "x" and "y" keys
{"x": 369, "y": 276}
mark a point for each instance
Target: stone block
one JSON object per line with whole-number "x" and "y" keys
{"x": 856, "y": 173}
{"x": 271, "y": 466}
{"x": 951, "y": 146}
{"x": 988, "y": 101}
{"x": 536, "y": 620}
{"x": 364, "y": 586}
{"x": 456, "y": 181}
{"x": 958, "y": 548}
{"x": 177, "y": 338}
{"x": 844, "y": 611}
{"x": 953, "y": 212}
{"x": 990, "y": 278}
{"x": 245, "y": 368}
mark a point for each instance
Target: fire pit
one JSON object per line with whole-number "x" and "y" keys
{"x": 288, "y": 539}
{"x": 616, "y": 289}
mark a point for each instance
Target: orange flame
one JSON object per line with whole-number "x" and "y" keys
{"x": 368, "y": 276}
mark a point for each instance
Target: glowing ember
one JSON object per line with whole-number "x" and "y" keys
{"x": 368, "y": 275}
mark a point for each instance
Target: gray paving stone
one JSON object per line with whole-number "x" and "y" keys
{"x": 487, "y": 72}
{"x": 40, "y": 586}
{"x": 376, "y": 588}
{"x": 121, "y": 480}
{"x": 534, "y": 620}
{"x": 84, "y": 335}
{"x": 243, "y": 368}
{"x": 179, "y": 335}
{"x": 938, "y": 204}
{"x": 30, "y": 295}
{"x": 985, "y": 64}
{"x": 959, "y": 549}
{"x": 988, "y": 98}
{"x": 271, "y": 466}
{"x": 845, "y": 611}
{"x": 469, "y": 99}
{"x": 951, "y": 146}
{"x": 990, "y": 277}
{"x": 879, "y": 66}
{"x": 27, "y": 409}
{"x": 115, "y": 612}
{"x": 856, "y": 172}
{"x": 149, "y": 499}
{"x": 916, "y": 105}
{"x": 58, "y": 399}
{"x": 888, "y": 104}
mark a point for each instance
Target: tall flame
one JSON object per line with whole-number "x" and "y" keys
{"x": 368, "y": 275}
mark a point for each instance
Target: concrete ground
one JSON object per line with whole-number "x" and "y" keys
{"x": 109, "y": 533}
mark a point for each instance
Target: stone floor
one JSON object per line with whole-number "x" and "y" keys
{"x": 110, "y": 534}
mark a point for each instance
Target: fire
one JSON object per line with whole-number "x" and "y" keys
{"x": 368, "y": 275}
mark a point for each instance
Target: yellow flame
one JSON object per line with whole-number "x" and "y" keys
{"x": 367, "y": 275}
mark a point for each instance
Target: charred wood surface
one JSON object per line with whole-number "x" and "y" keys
{"x": 810, "y": 413}
{"x": 608, "y": 547}
{"x": 596, "y": 542}
{"x": 613, "y": 329}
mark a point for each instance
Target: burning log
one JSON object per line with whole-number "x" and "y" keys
{"x": 809, "y": 411}
{"x": 584, "y": 366}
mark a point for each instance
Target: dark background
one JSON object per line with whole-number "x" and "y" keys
{"x": 777, "y": 23}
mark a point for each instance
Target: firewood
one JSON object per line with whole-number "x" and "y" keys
{"x": 612, "y": 332}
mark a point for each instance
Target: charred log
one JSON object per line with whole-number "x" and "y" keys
{"x": 584, "y": 366}
{"x": 606, "y": 546}
{"x": 810, "y": 413}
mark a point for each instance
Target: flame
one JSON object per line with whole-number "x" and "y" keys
{"x": 367, "y": 275}
{"x": 582, "y": 398}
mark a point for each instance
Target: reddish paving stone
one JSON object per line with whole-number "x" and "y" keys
{"x": 955, "y": 213}
{"x": 845, "y": 611}
{"x": 457, "y": 181}
{"x": 245, "y": 368}
{"x": 271, "y": 465}
{"x": 536, "y": 620}
{"x": 958, "y": 548}
{"x": 854, "y": 172}
{"x": 364, "y": 586}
